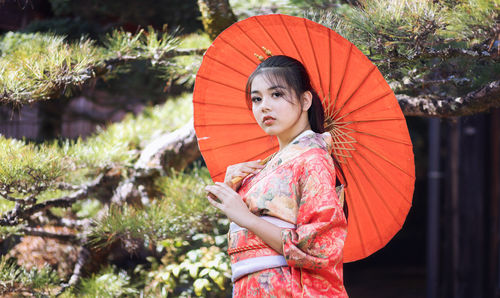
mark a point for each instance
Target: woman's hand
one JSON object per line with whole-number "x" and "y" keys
{"x": 230, "y": 202}
{"x": 241, "y": 170}
{"x": 237, "y": 211}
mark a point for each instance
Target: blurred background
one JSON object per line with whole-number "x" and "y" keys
{"x": 101, "y": 180}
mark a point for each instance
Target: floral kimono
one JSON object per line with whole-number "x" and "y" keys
{"x": 296, "y": 188}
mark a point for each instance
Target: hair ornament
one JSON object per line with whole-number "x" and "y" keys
{"x": 262, "y": 58}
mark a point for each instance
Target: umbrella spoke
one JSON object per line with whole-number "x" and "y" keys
{"x": 291, "y": 38}
{"x": 365, "y": 105}
{"x": 380, "y": 119}
{"x": 382, "y": 137}
{"x": 342, "y": 78}
{"x": 362, "y": 200}
{"x": 353, "y": 213}
{"x": 358, "y": 87}
{"x": 237, "y": 143}
{"x": 378, "y": 194}
{"x": 225, "y": 124}
{"x": 330, "y": 70}
{"x": 221, "y": 105}
{"x": 238, "y": 50}
{"x": 219, "y": 83}
{"x": 269, "y": 35}
{"x": 267, "y": 152}
{"x": 314, "y": 55}
{"x": 386, "y": 159}
{"x": 245, "y": 75}
{"x": 382, "y": 174}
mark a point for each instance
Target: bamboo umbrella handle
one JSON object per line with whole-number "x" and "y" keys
{"x": 262, "y": 162}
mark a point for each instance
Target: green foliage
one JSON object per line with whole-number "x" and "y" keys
{"x": 181, "y": 211}
{"x": 27, "y": 168}
{"x": 203, "y": 271}
{"x": 109, "y": 282}
{"x": 36, "y": 66}
{"x": 148, "y": 44}
{"x": 40, "y": 66}
{"x": 119, "y": 143}
{"x": 472, "y": 20}
{"x": 14, "y": 278}
{"x": 407, "y": 38}
{"x": 244, "y": 9}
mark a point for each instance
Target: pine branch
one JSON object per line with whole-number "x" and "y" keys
{"x": 441, "y": 53}
{"x": 83, "y": 257}
{"x": 174, "y": 150}
{"x": 16, "y": 215}
{"x": 6, "y": 196}
{"x": 55, "y": 220}
{"x": 474, "y": 102}
{"x": 41, "y": 233}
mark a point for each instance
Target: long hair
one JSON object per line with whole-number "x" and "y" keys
{"x": 292, "y": 72}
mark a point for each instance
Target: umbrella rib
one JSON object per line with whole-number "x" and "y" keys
{"x": 330, "y": 63}
{"x": 226, "y": 65}
{"x": 269, "y": 35}
{"x": 342, "y": 78}
{"x": 314, "y": 54}
{"x": 236, "y": 49}
{"x": 290, "y": 36}
{"x": 236, "y": 143}
{"x": 380, "y": 137}
{"x": 251, "y": 158}
{"x": 378, "y": 194}
{"x": 220, "y": 83}
{"x": 377, "y": 136}
{"x": 352, "y": 210}
{"x": 372, "y": 218}
{"x": 367, "y": 104}
{"x": 386, "y": 159}
{"x": 358, "y": 87}
{"x": 225, "y": 124}
{"x": 374, "y": 120}
{"x": 248, "y": 36}
{"x": 383, "y": 176}
{"x": 221, "y": 105}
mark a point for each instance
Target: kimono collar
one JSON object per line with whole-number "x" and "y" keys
{"x": 310, "y": 139}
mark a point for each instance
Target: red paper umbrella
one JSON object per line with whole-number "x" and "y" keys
{"x": 369, "y": 130}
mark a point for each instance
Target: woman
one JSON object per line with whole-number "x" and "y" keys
{"x": 288, "y": 227}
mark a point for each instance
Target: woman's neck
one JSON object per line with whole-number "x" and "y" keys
{"x": 285, "y": 140}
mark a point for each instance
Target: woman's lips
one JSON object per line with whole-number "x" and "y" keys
{"x": 268, "y": 120}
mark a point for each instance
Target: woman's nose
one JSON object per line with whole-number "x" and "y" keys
{"x": 264, "y": 105}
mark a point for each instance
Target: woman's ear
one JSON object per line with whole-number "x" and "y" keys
{"x": 306, "y": 100}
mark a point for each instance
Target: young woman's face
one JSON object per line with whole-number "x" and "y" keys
{"x": 275, "y": 106}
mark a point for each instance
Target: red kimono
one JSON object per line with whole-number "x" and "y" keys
{"x": 297, "y": 186}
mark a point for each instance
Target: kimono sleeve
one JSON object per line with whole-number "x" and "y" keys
{"x": 318, "y": 241}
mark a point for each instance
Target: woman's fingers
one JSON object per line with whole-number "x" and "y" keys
{"x": 214, "y": 203}
{"x": 221, "y": 191}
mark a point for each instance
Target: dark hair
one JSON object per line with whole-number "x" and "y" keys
{"x": 294, "y": 74}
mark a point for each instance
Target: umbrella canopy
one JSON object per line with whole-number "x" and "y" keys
{"x": 371, "y": 139}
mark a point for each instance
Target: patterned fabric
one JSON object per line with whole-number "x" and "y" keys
{"x": 298, "y": 186}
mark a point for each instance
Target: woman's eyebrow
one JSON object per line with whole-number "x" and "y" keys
{"x": 270, "y": 88}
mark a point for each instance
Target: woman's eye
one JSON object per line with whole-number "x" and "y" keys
{"x": 277, "y": 94}
{"x": 256, "y": 99}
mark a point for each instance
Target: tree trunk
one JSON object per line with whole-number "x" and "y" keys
{"x": 216, "y": 16}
